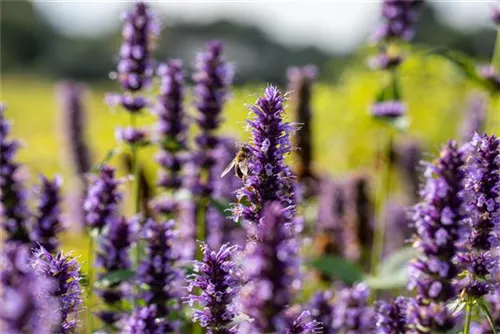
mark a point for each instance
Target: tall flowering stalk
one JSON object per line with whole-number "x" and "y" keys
{"x": 480, "y": 260}
{"x": 304, "y": 325}
{"x": 157, "y": 271}
{"x": 391, "y": 316}
{"x": 271, "y": 268}
{"x": 63, "y": 270}
{"x": 322, "y": 310}
{"x": 135, "y": 70}
{"x": 475, "y": 116}
{"x": 144, "y": 320}
{"x": 113, "y": 255}
{"x": 352, "y": 311}
{"x": 25, "y": 296}
{"x": 212, "y": 79}
{"x": 13, "y": 197}
{"x": 301, "y": 80}
{"x": 438, "y": 221}
{"x": 48, "y": 221}
{"x": 218, "y": 279}
{"x": 269, "y": 179}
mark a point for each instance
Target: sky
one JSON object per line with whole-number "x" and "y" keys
{"x": 334, "y": 26}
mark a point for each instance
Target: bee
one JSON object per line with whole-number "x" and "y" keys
{"x": 240, "y": 163}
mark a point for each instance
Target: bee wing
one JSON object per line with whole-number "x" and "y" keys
{"x": 243, "y": 166}
{"x": 228, "y": 168}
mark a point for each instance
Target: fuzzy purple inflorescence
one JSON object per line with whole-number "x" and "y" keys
{"x": 322, "y": 310}
{"x": 269, "y": 178}
{"x": 400, "y": 17}
{"x": 171, "y": 128}
{"x": 389, "y": 109}
{"x": 157, "y": 269}
{"x": 352, "y": 312}
{"x": 103, "y": 199}
{"x": 271, "y": 268}
{"x": 391, "y": 316}
{"x": 113, "y": 254}
{"x": 13, "y": 197}
{"x": 63, "y": 270}
{"x": 490, "y": 74}
{"x": 25, "y": 297}
{"x": 47, "y": 222}
{"x": 218, "y": 277}
{"x": 475, "y": 116}
{"x": 304, "y": 325}
{"x": 144, "y": 320}
{"x": 483, "y": 189}
{"x": 438, "y": 220}
{"x": 135, "y": 67}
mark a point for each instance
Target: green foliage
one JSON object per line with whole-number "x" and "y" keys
{"x": 114, "y": 278}
{"x": 338, "y": 268}
{"x": 393, "y": 271}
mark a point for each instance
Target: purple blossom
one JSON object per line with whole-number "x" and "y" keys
{"x": 132, "y": 136}
{"x": 144, "y": 320}
{"x": 304, "y": 325}
{"x": 385, "y": 61}
{"x": 399, "y": 17}
{"x": 301, "y": 81}
{"x": 495, "y": 15}
{"x": 490, "y": 74}
{"x": 25, "y": 296}
{"x": 48, "y": 221}
{"x": 389, "y": 109}
{"x": 438, "y": 220}
{"x": 269, "y": 179}
{"x": 218, "y": 278}
{"x": 322, "y": 310}
{"x": 13, "y": 197}
{"x": 422, "y": 316}
{"x": 158, "y": 269}
{"x": 171, "y": 127}
{"x": 475, "y": 116}
{"x": 391, "y": 317}
{"x": 135, "y": 66}
{"x": 113, "y": 255}
{"x": 103, "y": 199}
{"x": 271, "y": 268}
{"x": 63, "y": 270}
{"x": 352, "y": 313}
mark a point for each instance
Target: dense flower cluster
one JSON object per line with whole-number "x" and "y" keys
{"x": 113, "y": 255}
{"x": 157, "y": 270}
{"x": 13, "y": 197}
{"x": 391, "y": 316}
{"x": 171, "y": 128}
{"x": 272, "y": 268}
{"x": 322, "y": 310}
{"x": 64, "y": 271}
{"x": 103, "y": 199}
{"x": 475, "y": 117}
{"x": 218, "y": 278}
{"x": 48, "y": 220}
{"x": 25, "y": 296}
{"x": 144, "y": 320}
{"x": 400, "y": 17}
{"x": 303, "y": 325}
{"x": 438, "y": 220}
{"x": 269, "y": 179}
{"x": 352, "y": 311}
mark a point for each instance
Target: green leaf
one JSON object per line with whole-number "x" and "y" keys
{"x": 114, "y": 277}
{"x": 393, "y": 272}
{"x": 337, "y": 267}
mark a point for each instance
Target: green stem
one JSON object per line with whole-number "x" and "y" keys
{"x": 136, "y": 183}
{"x": 381, "y": 197}
{"x": 495, "y": 60}
{"x": 487, "y": 313}
{"x": 90, "y": 288}
{"x": 201, "y": 209}
{"x": 468, "y": 317}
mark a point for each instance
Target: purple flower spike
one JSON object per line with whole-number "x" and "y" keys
{"x": 132, "y": 136}
{"x": 157, "y": 271}
{"x": 171, "y": 128}
{"x": 438, "y": 220}
{"x": 303, "y": 325}
{"x": 13, "y": 197}
{"x": 400, "y": 17}
{"x": 135, "y": 67}
{"x": 63, "y": 270}
{"x": 113, "y": 255}
{"x": 352, "y": 313}
{"x": 391, "y": 317}
{"x": 218, "y": 278}
{"x": 389, "y": 109}
{"x": 144, "y": 320}
{"x": 385, "y": 61}
{"x": 475, "y": 116}
{"x": 495, "y": 15}
{"x": 269, "y": 179}
{"x": 48, "y": 224}
{"x": 322, "y": 310}
{"x": 103, "y": 199}
{"x": 27, "y": 306}
{"x": 272, "y": 267}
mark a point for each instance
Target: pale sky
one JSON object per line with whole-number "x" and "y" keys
{"x": 337, "y": 26}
